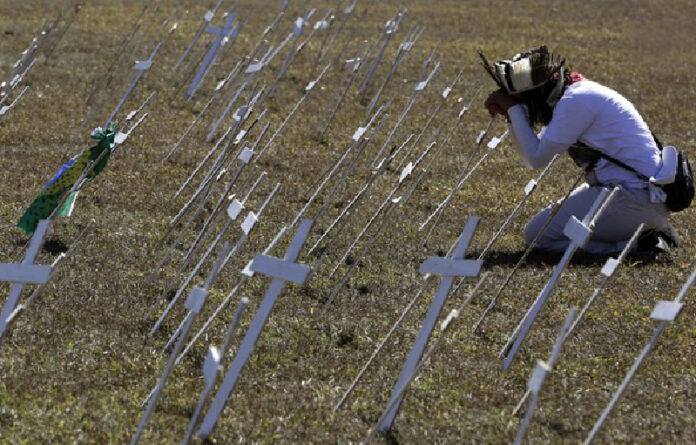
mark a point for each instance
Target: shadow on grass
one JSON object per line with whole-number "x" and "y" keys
{"x": 540, "y": 257}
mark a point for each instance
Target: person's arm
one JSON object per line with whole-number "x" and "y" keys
{"x": 536, "y": 153}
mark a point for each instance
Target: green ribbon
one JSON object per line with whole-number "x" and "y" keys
{"x": 53, "y": 193}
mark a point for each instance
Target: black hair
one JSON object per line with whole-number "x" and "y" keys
{"x": 536, "y": 100}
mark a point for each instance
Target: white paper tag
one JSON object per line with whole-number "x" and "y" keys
{"x": 247, "y": 270}
{"x": 211, "y": 364}
{"x": 463, "y": 110}
{"x": 249, "y": 222}
{"x": 356, "y": 65}
{"x": 234, "y": 209}
{"x": 421, "y": 85}
{"x": 196, "y": 299}
{"x": 310, "y": 85}
{"x": 397, "y": 200}
{"x": 240, "y": 113}
{"x": 321, "y": 24}
{"x": 529, "y": 188}
{"x": 131, "y": 115}
{"x": 494, "y": 142}
{"x": 480, "y": 137}
{"x": 208, "y": 17}
{"x": 299, "y": 23}
{"x": 359, "y": 133}
{"x": 245, "y": 155}
{"x": 4, "y": 110}
{"x": 239, "y": 136}
{"x": 609, "y": 267}
{"x": 666, "y": 311}
{"x": 538, "y": 375}
{"x": 120, "y": 138}
{"x": 451, "y": 316}
{"x": 577, "y": 232}
{"x": 254, "y": 67}
{"x": 446, "y": 92}
{"x": 406, "y": 46}
{"x": 143, "y": 65}
{"x": 405, "y": 172}
{"x": 220, "y": 85}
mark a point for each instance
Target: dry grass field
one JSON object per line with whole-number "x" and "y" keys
{"x": 80, "y": 361}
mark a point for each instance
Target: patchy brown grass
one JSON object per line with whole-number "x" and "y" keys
{"x": 80, "y": 361}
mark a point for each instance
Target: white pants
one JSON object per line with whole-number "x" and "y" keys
{"x": 628, "y": 209}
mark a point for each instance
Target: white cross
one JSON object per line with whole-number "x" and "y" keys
{"x": 221, "y": 33}
{"x": 665, "y": 312}
{"x": 448, "y": 268}
{"x": 579, "y": 233}
{"x": 25, "y": 273}
{"x": 141, "y": 67}
{"x": 281, "y": 271}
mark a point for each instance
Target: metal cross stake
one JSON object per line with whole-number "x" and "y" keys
{"x": 141, "y": 68}
{"x": 246, "y": 274}
{"x": 24, "y": 273}
{"x": 6, "y": 108}
{"x": 447, "y": 268}
{"x": 579, "y": 233}
{"x": 376, "y": 173}
{"x": 358, "y": 140}
{"x": 212, "y": 367}
{"x": 282, "y": 270}
{"x": 207, "y": 18}
{"x": 463, "y": 177}
{"x": 320, "y": 25}
{"x": 347, "y": 12}
{"x": 608, "y": 271}
{"x": 182, "y": 332}
{"x": 194, "y": 304}
{"x": 536, "y": 380}
{"x": 227, "y": 31}
{"x": 199, "y": 116}
{"x": 405, "y": 173}
{"x": 233, "y": 212}
{"x": 445, "y": 325}
{"x": 356, "y": 64}
{"x": 432, "y": 115}
{"x": 414, "y": 97}
{"x": 390, "y": 28}
{"x": 251, "y": 72}
{"x": 61, "y": 259}
{"x": 295, "y": 34}
{"x": 247, "y": 226}
{"x": 324, "y": 25}
{"x": 665, "y": 312}
{"x": 106, "y": 78}
{"x": 308, "y": 89}
{"x": 204, "y": 189}
{"x": 401, "y": 55}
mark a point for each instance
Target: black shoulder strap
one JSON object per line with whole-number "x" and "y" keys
{"x": 619, "y": 163}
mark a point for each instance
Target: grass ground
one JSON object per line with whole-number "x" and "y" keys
{"x": 80, "y": 360}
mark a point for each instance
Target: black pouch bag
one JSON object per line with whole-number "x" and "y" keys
{"x": 679, "y": 193}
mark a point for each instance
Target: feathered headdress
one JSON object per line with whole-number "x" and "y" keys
{"x": 526, "y": 71}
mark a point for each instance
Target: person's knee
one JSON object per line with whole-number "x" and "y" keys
{"x": 531, "y": 230}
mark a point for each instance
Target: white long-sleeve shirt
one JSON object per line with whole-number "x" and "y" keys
{"x": 599, "y": 117}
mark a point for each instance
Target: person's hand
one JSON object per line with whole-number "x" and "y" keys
{"x": 498, "y": 102}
